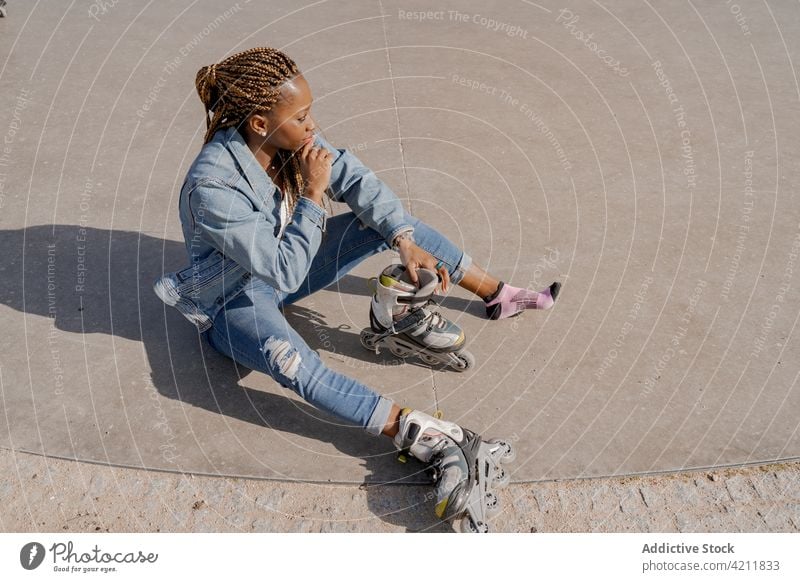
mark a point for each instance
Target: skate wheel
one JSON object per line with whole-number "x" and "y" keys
{"x": 429, "y": 359}
{"x": 468, "y": 526}
{"x": 501, "y": 479}
{"x": 508, "y": 454}
{"x": 464, "y": 360}
{"x": 492, "y": 503}
{"x": 399, "y": 351}
{"x": 368, "y": 339}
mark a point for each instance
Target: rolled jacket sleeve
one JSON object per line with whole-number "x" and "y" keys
{"x": 229, "y": 222}
{"x": 368, "y": 197}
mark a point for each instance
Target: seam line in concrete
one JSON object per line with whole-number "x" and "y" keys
{"x": 396, "y": 110}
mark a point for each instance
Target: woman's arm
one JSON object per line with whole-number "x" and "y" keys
{"x": 379, "y": 208}
{"x": 369, "y": 197}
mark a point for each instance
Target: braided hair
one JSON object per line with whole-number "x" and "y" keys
{"x": 244, "y": 83}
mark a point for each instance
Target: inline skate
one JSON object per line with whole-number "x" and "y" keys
{"x": 401, "y": 320}
{"x": 465, "y": 469}
{"x": 2, "y": 8}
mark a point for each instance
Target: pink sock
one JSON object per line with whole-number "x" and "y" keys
{"x": 508, "y": 301}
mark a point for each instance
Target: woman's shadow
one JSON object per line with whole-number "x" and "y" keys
{"x": 104, "y": 282}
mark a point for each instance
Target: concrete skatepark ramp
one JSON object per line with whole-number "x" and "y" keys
{"x": 643, "y": 156}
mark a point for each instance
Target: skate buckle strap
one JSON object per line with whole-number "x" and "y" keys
{"x": 407, "y": 322}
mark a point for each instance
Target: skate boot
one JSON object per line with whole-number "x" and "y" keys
{"x": 2, "y": 8}
{"x": 465, "y": 469}
{"x": 401, "y": 320}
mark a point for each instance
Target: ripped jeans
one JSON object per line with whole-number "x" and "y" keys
{"x": 252, "y": 330}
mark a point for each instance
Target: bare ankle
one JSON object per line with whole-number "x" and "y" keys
{"x": 393, "y": 423}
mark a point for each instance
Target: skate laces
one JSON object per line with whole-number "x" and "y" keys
{"x": 436, "y": 441}
{"x": 435, "y": 319}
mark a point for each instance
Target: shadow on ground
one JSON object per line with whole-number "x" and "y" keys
{"x": 93, "y": 281}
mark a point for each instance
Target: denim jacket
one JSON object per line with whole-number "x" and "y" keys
{"x": 230, "y": 216}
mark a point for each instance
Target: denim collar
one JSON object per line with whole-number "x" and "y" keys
{"x": 258, "y": 179}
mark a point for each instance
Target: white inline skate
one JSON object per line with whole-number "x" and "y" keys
{"x": 401, "y": 320}
{"x": 465, "y": 469}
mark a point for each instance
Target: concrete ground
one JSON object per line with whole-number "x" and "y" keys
{"x": 644, "y": 155}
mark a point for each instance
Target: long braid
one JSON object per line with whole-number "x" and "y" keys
{"x": 245, "y": 83}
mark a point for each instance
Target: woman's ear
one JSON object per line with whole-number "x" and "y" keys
{"x": 259, "y": 124}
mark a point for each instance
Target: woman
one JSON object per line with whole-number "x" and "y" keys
{"x": 262, "y": 164}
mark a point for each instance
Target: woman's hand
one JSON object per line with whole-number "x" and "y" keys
{"x": 414, "y": 257}
{"x": 315, "y": 166}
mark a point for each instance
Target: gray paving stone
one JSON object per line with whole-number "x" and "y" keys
{"x": 270, "y": 500}
{"x": 686, "y": 523}
{"x": 777, "y": 519}
{"x": 685, "y": 493}
{"x": 747, "y": 519}
{"x": 788, "y": 486}
{"x": 604, "y": 500}
{"x": 631, "y": 501}
{"x": 740, "y": 489}
{"x": 710, "y": 490}
{"x": 650, "y": 497}
{"x": 262, "y": 524}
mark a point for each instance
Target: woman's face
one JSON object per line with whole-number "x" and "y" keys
{"x": 289, "y": 123}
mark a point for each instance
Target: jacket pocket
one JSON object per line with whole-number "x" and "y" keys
{"x": 201, "y": 290}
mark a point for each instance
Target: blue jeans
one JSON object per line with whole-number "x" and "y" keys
{"x": 253, "y": 331}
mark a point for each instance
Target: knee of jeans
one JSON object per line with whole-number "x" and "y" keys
{"x": 284, "y": 361}
{"x": 290, "y": 367}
